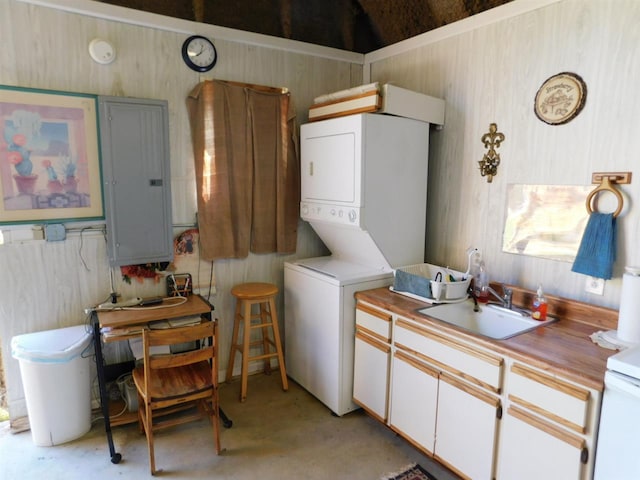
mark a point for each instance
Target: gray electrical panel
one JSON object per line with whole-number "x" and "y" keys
{"x": 134, "y": 136}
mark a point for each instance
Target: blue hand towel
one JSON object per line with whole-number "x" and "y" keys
{"x": 597, "y": 252}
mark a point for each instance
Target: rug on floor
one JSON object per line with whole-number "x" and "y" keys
{"x": 410, "y": 472}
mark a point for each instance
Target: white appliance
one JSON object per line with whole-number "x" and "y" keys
{"x": 364, "y": 192}
{"x": 619, "y": 432}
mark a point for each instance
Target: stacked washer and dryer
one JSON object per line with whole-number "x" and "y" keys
{"x": 364, "y": 192}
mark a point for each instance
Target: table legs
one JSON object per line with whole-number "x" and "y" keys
{"x": 102, "y": 384}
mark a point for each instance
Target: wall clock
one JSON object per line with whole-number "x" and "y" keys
{"x": 560, "y": 98}
{"x": 199, "y": 53}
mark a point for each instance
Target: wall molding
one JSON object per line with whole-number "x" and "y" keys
{"x": 488, "y": 17}
{"x": 130, "y": 16}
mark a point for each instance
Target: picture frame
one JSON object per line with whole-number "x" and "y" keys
{"x": 560, "y": 98}
{"x": 50, "y": 170}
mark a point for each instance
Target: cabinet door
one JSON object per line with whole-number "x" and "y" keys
{"x": 134, "y": 136}
{"x": 414, "y": 400}
{"x": 466, "y": 428}
{"x": 371, "y": 374}
{"x": 531, "y": 449}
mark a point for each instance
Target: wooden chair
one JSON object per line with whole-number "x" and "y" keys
{"x": 175, "y": 388}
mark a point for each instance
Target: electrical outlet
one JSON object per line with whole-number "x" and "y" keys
{"x": 594, "y": 285}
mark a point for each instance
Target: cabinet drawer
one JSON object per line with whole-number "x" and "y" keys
{"x": 554, "y": 398}
{"x": 374, "y": 322}
{"x": 472, "y": 364}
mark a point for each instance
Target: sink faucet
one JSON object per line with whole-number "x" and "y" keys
{"x": 506, "y": 297}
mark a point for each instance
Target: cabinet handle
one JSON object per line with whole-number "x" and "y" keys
{"x": 155, "y": 182}
{"x": 584, "y": 455}
{"x": 550, "y": 382}
{"x": 548, "y": 428}
{"x": 471, "y": 390}
{"x": 372, "y": 311}
{"x": 383, "y": 347}
{"x": 311, "y": 169}
{"x": 398, "y": 355}
{"x": 545, "y": 413}
{"x": 499, "y": 412}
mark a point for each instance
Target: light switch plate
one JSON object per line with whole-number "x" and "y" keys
{"x": 54, "y": 232}
{"x": 594, "y": 285}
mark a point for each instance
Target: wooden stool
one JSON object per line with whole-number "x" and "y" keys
{"x": 263, "y": 295}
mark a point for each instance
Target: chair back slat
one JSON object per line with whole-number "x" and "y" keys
{"x": 173, "y": 336}
{"x": 179, "y": 359}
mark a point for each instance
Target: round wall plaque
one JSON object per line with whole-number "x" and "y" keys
{"x": 560, "y": 98}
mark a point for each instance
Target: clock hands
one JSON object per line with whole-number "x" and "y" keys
{"x": 193, "y": 54}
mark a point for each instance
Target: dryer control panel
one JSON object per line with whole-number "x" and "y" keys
{"x": 322, "y": 212}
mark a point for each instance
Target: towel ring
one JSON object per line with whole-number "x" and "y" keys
{"x": 605, "y": 186}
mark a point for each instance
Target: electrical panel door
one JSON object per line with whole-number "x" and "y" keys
{"x": 134, "y": 136}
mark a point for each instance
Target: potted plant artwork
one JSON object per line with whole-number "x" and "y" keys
{"x": 53, "y": 185}
{"x": 69, "y": 172}
{"x": 19, "y": 156}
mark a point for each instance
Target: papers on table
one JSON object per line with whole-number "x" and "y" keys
{"x": 136, "y": 343}
{"x": 137, "y": 349}
{"x": 175, "y": 322}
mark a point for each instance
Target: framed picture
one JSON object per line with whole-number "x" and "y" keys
{"x": 560, "y": 98}
{"x": 49, "y": 156}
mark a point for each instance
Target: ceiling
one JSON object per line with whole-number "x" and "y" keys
{"x": 355, "y": 25}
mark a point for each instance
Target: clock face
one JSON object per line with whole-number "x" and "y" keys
{"x": 199, "y": 53}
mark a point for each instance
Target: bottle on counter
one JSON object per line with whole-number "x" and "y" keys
{"x": 539, "y": 307}
{"x": 481, "y": 288}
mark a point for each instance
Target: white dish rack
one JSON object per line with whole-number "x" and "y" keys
{"x": 457, "y": 284}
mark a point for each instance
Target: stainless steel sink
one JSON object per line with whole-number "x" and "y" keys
{"x": 491, "y": 321}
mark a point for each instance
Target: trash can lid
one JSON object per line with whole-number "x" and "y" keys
{"x": 51, "y": 346}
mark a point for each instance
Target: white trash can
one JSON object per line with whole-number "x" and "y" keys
{"x": 55, "y": 368}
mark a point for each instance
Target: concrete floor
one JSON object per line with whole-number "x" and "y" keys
{"x": 275, "y": 435}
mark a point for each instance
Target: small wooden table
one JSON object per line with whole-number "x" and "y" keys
{"x": 127, "y": 323}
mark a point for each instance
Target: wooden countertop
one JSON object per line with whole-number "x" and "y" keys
{"x": 563, "y": 347}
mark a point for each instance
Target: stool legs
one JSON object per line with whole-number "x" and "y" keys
{"x": 234, "y": 342}
{"x": 267, "y": 317}
{"x": 278, "y": 345}
{"x": 246, "y": 345}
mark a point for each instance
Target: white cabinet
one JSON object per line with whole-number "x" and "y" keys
{"x": 466, "y": 429}
{"x": 414, "y": 404}
{"x": 444, "y": 398}
{"x": 371, "y": 360}
{"x": 551, "y": 418}
{"x": 484, "y": 415}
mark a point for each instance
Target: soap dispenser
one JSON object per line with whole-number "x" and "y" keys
{"x": 539, "y": 307}
{"x": 481, "y": 285}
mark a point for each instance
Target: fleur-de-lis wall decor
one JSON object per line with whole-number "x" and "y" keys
{"x": 490, "y": 161}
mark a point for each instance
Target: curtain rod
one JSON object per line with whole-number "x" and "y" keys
{"x": 262, "y": 88}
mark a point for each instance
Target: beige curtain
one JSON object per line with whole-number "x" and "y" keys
{"x": 247, "y": 169}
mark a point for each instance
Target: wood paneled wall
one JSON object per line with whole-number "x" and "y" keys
{"x": 48, "y": 285}
{"x": 491, "y": 74}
